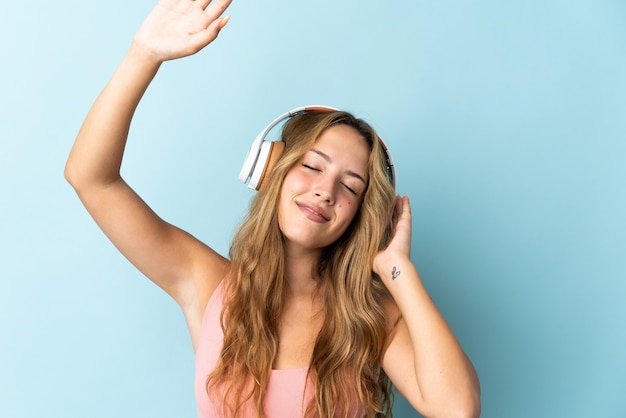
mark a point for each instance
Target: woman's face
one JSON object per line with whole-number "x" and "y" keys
{"x": 323, "y": 191}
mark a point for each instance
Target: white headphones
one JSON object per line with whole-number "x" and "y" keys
{"x": 264, "y": 154}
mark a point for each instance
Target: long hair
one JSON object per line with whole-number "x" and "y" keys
{"x": 345, "y": 365}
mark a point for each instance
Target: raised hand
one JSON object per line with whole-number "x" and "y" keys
{"x": 399, "y": 248}
{"x": 185, "y": 268}
{"x": 178, "y": 28}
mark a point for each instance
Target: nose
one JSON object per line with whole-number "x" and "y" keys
{"x": 325, "y": 190}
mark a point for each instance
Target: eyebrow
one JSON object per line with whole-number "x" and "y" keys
{"x": 330, "y": 160}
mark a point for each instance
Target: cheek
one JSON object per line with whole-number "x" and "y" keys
{"x": 294, "y": 180}
{"x": 349, "y": 209}
{"x": 292, "y": 186}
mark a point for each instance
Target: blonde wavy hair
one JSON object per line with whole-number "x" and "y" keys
{"x": 345, "y": 365}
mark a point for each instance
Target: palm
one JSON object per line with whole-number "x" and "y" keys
{"x": 177, "y": 28}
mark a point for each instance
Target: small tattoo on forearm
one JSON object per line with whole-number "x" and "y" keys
{"x": 394, "y": 273}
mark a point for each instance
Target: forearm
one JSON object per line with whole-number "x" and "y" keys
{"x": 97, "y": 152}
{"x": 171, "y": 30}
{"x": 444, "y": 374}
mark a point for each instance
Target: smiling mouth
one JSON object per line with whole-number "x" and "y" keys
{"x": 314, "y": 213}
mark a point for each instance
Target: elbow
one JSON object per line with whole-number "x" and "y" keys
{"x": 470, "y": 409}
{"x": 72, "y": 175}
{"x": 466, "y": 410}
{"x": 71, "y": 171}
{"x": 460, "y": 406}
{"x": 467, "y": 407}
{"x": 85, "y": 174}
{"x": 68, "y": 173}
{"x": 80, "y": 176}
{"x": 467, "y": 404}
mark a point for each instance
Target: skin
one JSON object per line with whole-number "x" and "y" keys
{"x": 320, "y": 196}
{"x": 423, "y": 359}
{"x": 322, "y": 193}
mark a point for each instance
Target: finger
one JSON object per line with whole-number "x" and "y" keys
{"x": 223, "y": 22}
{"x": 216, "y": 8}
{"x": 407, "y": 204}
{"x": 406, "y": 208}
{"x": 203, "y": 3}
{"x": 209, "y": 34}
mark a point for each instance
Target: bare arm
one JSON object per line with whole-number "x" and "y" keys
{"x": 424, "y": 360}
{"x": 173, "y": 259}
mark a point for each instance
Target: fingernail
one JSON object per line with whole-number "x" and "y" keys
{"x": 223, "y": 22}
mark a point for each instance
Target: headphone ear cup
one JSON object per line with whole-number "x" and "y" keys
{"x": 275, "y": 152}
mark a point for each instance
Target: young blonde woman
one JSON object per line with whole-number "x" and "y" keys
{"x": 318, "y": 307}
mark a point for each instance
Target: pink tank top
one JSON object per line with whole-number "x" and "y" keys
{"x": 285, "y": 395}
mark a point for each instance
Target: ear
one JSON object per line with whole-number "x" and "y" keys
{"x": 276, "y": 150}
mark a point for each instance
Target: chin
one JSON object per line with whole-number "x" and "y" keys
{"x": 306, "y": 241}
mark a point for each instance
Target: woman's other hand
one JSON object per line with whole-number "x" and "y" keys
{"x": 400, "y": 245}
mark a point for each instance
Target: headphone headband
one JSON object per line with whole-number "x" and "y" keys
{"x": 255, "y": 166}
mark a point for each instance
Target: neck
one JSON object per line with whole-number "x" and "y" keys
{"x": 299, "y": 267}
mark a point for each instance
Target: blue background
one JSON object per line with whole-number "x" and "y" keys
{"x": 507, "y": 124}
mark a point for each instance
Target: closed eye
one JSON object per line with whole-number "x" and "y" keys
{"x": 350, "y": 189}
{"x": 347, "y": 187}
{"x": 311, "y": 167}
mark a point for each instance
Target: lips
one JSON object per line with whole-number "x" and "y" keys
{"x": 313, "y": 212}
